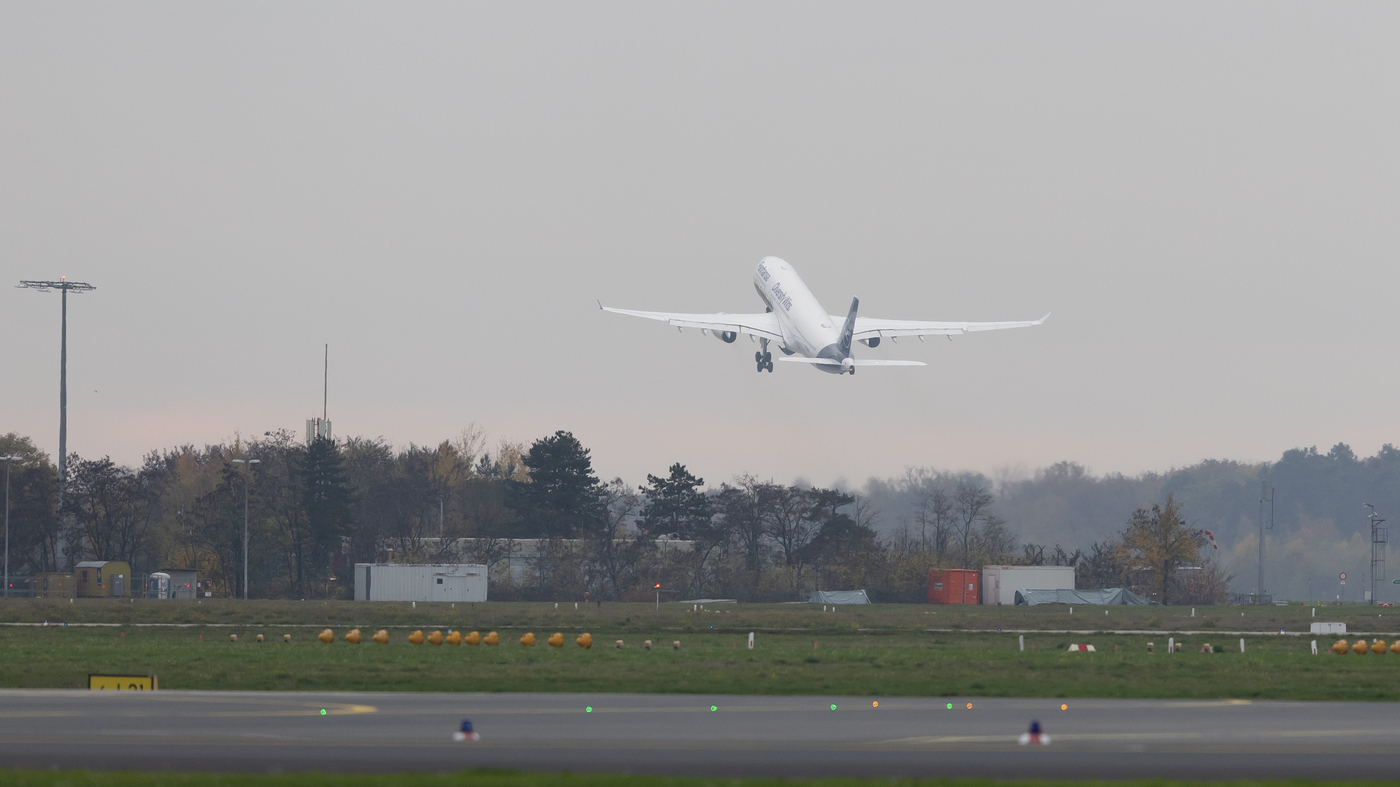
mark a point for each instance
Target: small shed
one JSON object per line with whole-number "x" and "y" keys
{"x": 55, "y": 584}
{"x": 103, "y": 579}
{"x": 953, "y": 585}
{"x": 420, "y": 582}
{"x": 184, "y": 582}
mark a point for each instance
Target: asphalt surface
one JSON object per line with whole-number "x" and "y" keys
{"x": 680, "y": 734}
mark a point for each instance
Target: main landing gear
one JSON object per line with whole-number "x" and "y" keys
{"x": 764, "y": 359}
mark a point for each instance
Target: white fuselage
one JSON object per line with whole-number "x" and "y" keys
{"x": 806, "y": 327}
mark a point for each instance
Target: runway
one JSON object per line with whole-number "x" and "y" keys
{"x": 682, "y": 734}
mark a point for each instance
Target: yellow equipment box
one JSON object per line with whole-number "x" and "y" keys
{"x": 122, "y": 682}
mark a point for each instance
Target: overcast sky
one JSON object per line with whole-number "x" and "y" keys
{"x": 1203, "y": 195}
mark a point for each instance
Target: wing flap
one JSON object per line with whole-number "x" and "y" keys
{"x": 764, "y": 325}
{"x": 873, "y": 327}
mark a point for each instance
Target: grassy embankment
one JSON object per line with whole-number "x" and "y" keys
{"x": 874, "y": 651}
{"x": 35, "y": 778}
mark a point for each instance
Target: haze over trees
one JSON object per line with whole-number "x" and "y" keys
{"x": 313, "y": 510}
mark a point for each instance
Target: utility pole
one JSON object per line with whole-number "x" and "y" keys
{"x": 8, "y": 460}
{"x": 1378, "y": 539}
{"x": 64, "y": 286}
{"x": 250, "y": 464}
{"x": 1266, "y": 495}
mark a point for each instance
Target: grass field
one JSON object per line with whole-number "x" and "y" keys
{"x": 902, "y": 663}
{"x": 677, "y": 618}
{"x": 32, "y": 778}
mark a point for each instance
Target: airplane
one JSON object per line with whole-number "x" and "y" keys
{"x": 802, "y": 329}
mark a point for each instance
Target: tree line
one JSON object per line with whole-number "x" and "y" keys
{"x": 313, "y": 510}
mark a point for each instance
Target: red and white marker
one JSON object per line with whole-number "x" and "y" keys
{"x": 1081, "y": 649}
{"x": 1034, "y": 737}
{"x": 1211, "y": 536}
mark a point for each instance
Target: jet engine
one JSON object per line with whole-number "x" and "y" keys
{"x": 727, "y": 337}
{"x": 847, "y": 365}
{"x": 873, "y": 341}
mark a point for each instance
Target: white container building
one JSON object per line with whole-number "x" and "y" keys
{"x": 420, "y": 582}
{"x": 1000, "y": 583}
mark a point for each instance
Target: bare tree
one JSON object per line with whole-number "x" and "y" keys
{"x": 789, "y": 522}
{"x": 935, "y": 513}
{"x": 743, "y": 518}
{"x": 970, "y": 508}
{"x": 613, "y": 552}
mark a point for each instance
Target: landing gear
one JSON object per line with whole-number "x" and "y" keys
{"x": 763, "y": 358}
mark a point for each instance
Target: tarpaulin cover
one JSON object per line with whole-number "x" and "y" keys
{"x": 839, "y": 597}
{"x": 1086, "y": 597}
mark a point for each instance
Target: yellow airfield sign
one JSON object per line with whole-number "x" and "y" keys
{"x": 122, "y": 682}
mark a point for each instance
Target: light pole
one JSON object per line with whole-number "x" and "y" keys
{"x": 250, "y": 463}
{"x": 7, "y": 460}
{"x": 64, "y": 286}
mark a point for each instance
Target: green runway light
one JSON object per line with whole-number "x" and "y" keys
{"x": 323, "y": 711}
{"x": 714, "y": 707}
{"x": 950, "y": 706}
{"x": 588, "y": 709}
{"x": 833, "y": 707}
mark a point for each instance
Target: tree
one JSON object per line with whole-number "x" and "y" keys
{"x": 328, "y": 501}
{"x": 1159, "y": 542}
{"x": 742, "y": 518}
{"x": 935, "y": 513}
{"x": 110, "y": 506}
{"x": 971, "y": 504}
{"x": 1102, "y": 567}
{"x": 675, "y": 505}
{"x": 614, "y": 554}
{"x": 561, "y": 499}
{"x": 35, "y": 537}
{"x": 788, "y": 510}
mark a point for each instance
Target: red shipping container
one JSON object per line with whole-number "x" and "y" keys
{"x": 954, "y": 586}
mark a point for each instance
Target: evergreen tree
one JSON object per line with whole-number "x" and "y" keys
{"x": 562, "y": 499}
{"x": 327, "y": 500}
{"x": 675, "y": 505}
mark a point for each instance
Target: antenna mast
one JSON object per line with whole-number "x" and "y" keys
{"x": 326, "y": 383}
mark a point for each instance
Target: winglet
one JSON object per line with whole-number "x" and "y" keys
{"x": 1043, "y": 319}
{"x": 600, "y": 304}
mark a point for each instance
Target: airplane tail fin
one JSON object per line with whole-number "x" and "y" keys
{"x": 849, "y": 329}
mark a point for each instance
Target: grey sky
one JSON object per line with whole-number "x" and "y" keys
{"x": 1204, "y": 195}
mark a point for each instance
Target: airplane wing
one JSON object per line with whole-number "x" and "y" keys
{"x": 871, "y": 327}
{"x": 762, "y": 325}
{"x": 854, "y": 361}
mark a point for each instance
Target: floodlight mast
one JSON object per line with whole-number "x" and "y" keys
{"x": 64, "y": 286}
